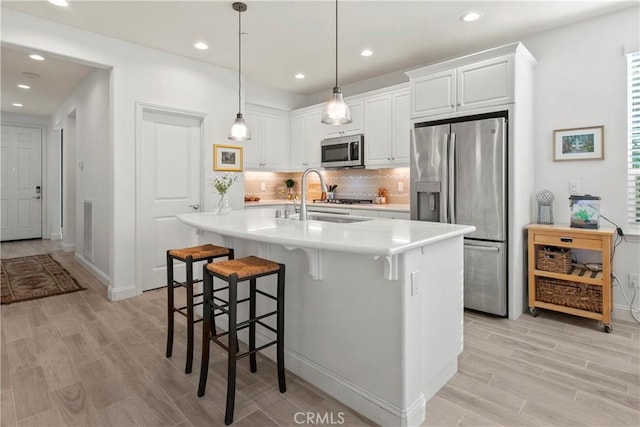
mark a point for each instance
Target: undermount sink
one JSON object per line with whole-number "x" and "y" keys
{"x": 338, "y": 219}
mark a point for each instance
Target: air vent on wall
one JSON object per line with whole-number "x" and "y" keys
{"x": 87, "y": 250}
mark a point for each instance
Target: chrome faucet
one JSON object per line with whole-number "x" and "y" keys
{"x": 303, "y": 192}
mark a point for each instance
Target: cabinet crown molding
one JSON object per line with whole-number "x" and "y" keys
{"x": 514, "y": 48}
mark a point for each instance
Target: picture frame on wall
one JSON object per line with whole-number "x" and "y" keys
{"x": 227, "y": 158}
{"x": 578, "y": 144}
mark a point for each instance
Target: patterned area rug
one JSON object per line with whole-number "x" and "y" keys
{"x": 33, "y": 277}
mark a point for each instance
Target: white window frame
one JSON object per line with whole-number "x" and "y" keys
{"x": 633, "y": 144}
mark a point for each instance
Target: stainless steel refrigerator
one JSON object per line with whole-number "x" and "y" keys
{"x": 458, "y": 175}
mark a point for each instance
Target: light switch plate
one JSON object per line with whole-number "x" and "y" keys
{"x": 263, "y": 186}
{"x": 400, "y": 186}
{"x": 415, "y": 278}
{"x": 574, "y": 187}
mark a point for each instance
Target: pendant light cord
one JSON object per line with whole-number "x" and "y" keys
{"x": 336, "y": 43}
{"x": 239, "y": 60}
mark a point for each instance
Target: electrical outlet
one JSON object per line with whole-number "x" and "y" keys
{"x": 415, "y": 278}
{"x": 574, "y": 187}
{"x": 400, "y": 186}
{"x": 634, "y": 280}
{"x": 263, "y": 186}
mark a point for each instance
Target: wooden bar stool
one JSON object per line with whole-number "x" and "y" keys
{"x": 188, "y": 256}
{"x": 232, "y": 272}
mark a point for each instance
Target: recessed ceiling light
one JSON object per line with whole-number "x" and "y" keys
{"x": 471, "y": 16}
{"x": 299, "y": 76}
{"x": 15, "y": 104}
{"x": 201, "y": 46}
{"x": 37, "y": 57}
{"x": 61, "y": 3}
{"x": 24, "y": 86}
{"x": 366, "y": 52}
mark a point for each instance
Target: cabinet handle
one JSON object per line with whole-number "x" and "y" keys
{"x": 453, "y": 105}
{"x": 566, "y": 239}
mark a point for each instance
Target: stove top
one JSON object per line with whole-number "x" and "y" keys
{"x": 344, "y": 201}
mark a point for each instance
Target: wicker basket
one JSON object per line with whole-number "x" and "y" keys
{"x": 554, "y": 259}
{"x": 569, "y": 294}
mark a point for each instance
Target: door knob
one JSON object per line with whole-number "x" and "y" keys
{"x": 36, "y": 197}
{"x": 196, "y": 206}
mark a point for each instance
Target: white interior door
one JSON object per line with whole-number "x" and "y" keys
{"x": 21, "y": 183}
{"x": 170, "y": 185}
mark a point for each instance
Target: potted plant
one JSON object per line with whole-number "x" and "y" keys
{"x": 290, "y": 184}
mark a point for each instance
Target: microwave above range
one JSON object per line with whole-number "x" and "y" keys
{"x": 343, "y": 152}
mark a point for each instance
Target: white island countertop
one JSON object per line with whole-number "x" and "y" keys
{"x": 375, "y": 236}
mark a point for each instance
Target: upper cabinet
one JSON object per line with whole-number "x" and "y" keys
{"x": 268, "y": 148}
{"x": 386, "y": 129}
{"x": 473, "y": 82}
{"x": 306, "y": 134}
{"x": 435, "y": 94}
{"x": 485, "y": 83}
{"x": 355, "y": 127}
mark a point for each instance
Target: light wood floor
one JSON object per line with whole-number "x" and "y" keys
{"x": 81, "y": 360}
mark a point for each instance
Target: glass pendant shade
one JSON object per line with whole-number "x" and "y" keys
{"x": 239, "y": 130}
{"x": 336, "y": 111}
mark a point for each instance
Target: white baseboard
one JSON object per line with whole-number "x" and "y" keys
{"x": 621, "y": 312}
{"x": 68, "y": 247}
{"x": 122, "y": 293}
{"x": 55, "y": 236}
{"x": 103, "y": 278}
{"x": 378, "y": 410}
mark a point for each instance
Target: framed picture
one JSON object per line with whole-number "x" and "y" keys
{"x": 578, "y": 144}
{"x": 227, "y": 158}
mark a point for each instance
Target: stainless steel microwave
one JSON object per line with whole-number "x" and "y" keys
{"x": 343, "y": 152}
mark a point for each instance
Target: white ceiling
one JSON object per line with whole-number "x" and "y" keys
{"x": 287, "y": 37}
{"x": 58, "y": 78}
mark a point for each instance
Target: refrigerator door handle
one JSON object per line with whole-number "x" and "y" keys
{"x": 452, "y": 178}
{"x": 482, "y": 248}
{"x": 444, "y": 204}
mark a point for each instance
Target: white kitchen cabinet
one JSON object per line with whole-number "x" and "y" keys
{"x": 434, "y": 94}
{"x": 485, "y": 83}
{"x": 268, "y": 148}
{"x": 355, "y": 127}
{"x": 306, "y": 134}
{"x": 386, "y": 129}
{"x": 467, "y": 86}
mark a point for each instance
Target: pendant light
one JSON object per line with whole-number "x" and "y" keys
{"x": 239, "y": 130}
{"x": 336, "y": 112}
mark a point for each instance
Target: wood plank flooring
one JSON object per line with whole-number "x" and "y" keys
{"x": 80, "y": 360}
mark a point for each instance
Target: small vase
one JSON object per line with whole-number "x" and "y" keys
{"x": 224, "y": 208}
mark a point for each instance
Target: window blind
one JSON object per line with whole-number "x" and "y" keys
{"x": 633, "y": 165}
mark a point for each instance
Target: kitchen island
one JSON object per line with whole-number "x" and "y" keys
{"x": 373, "y": 309}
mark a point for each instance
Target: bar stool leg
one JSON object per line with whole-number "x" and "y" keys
{"x": 170, "y": 304}
{"x": 280, "y": 326}
{"x": 207, "y": 313}
{"x": 233, "y": 342}
{"x": 252, "y": 326}
{"x": 189, "y": 263}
